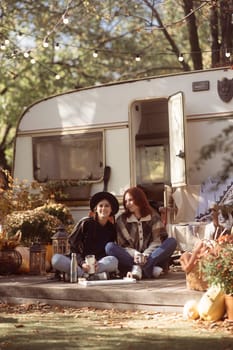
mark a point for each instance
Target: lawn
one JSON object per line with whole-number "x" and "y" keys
{"x": 38, "y": 326}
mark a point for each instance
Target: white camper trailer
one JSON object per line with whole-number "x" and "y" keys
{"x": 145, "y": 132}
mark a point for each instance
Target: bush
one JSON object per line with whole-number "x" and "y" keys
{"x": 27, "y": 207}
{"x": 218, "y": 264}
{"x": 34, "y": 224}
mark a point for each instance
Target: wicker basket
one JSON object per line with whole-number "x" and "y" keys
{"x": 195, "y": 281}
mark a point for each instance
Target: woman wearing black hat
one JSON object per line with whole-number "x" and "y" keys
{"x": 90, "y": 236}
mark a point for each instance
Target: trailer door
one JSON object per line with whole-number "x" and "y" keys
{"x": 176, "y": 140}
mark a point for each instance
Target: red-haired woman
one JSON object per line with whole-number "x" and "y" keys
{"x": 140, "y": 231}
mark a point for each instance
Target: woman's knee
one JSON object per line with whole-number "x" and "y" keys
{"x": 172, "y": 242}
{"x": 55, "y": 260}
{"x": 60, "y": 262}
{"x": 114, "y": 262}
{"x": 108, "y": 264}
{"x": 109, "y": 248}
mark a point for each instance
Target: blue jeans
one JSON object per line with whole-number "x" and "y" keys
{"x": 106, "y": 264}
{"x": 159, "y": 257}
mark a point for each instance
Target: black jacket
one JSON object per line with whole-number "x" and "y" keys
{"x": 89, "y": 237}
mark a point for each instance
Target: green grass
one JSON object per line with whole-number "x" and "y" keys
{"x": 59, "y": 328}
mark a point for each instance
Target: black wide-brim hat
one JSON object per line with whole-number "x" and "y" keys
{"x": 96, "y": 198}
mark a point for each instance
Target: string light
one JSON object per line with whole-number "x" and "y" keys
{"x": 45, "y": 43}
{"x": 26, "y": 54}
{"x": 19, "y": 35}
{"x": 65, "y": 19}
{"x": 95, "y": 54}
{"x": 181, "y": 57}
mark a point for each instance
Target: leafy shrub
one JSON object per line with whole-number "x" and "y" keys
{"x": 30, "y": 208}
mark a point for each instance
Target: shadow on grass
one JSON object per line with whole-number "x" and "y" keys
{"x": 68, "y": 336}
{"x": 8, "y": 320}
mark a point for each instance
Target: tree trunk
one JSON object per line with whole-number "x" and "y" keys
{"x": 193, "y": 35}
{"x": 3, "y": 160}
{"x": 215, "y": 47}
{"x": 174, "y": 47}
{"x": 226, "y": 13}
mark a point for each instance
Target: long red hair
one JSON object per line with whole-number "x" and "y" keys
{"x": 140, "y": 200}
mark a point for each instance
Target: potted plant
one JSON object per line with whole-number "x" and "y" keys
{"x": 217, "y": 268}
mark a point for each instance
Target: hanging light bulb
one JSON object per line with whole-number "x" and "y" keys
{"x": 95, "y": 54}
{"x": 137, "y": 58}
{"x": 7, "y": 41}
{"x": 19, "y": 35}
{"x": 33, "y": 61}
{"x": 181, "y": 57}
{"x": 3, "y": 46}
{"x": 45, "y": 43}
{"x": 57, "y": 77}
{"x": 57, "y": 46}
{"x": 65, "y": 19}
{"x": 26, "y": 54}
{"x": 227, "y": 53}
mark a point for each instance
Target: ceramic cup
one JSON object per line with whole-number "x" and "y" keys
{"x": 90, "y": 261}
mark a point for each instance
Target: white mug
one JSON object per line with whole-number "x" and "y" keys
{"x": 90, "y": 261}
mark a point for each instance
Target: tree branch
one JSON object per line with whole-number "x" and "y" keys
{"x": 175, "y": 49}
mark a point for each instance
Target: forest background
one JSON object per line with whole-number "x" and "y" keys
{"x": 51, "y": 46}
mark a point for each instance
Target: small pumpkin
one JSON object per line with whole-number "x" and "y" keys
{"x": 190, "y": 310}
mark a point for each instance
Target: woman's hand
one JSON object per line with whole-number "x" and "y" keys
{"x": 86, "y": 267}
{"x": 140, "y": 259}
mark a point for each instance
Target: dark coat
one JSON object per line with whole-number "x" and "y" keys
{"x": 89, "y": 237}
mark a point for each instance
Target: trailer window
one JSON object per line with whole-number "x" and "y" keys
{"x": 68, "y": 157}
{"x": 152, "y": 164}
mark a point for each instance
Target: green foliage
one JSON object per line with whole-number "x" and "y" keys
{"x": 56, "y": 189}
{"x": 20, "y": 196}
{"x": 59, "y": 211}
{"x": 223, "y": 143}
{"x": 217, "y": 266}
{"x": 34, "y": 224}
{"x": 28, "y": 208}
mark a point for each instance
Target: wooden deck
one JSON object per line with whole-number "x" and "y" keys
{"x": 166, "y": 294}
